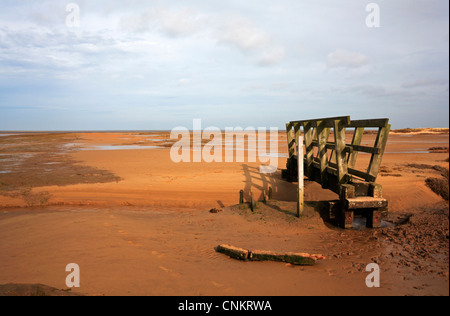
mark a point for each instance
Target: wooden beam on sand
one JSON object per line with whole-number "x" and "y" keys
{"x": 233, "y": 252}
{"x": 303, "y": 259}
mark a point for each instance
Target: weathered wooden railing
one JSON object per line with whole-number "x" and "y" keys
{"x": 333, "y": 163}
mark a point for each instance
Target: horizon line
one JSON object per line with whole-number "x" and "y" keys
{"x": 153, "y": 130}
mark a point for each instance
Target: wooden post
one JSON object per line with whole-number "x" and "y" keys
{"x": 373, "y": 219}
{"x": 322, "y": 134}
{"x": 300, "y": 157}
{"x": 241, "y": 197}
{"x": 341, "y": 161}
{"x": 270, "y": 193}
{"x": 309, "y": 136}
{"x": 348, "y": 216}
{"x": 290, "y": 140}
{"x": 252, "y": 202}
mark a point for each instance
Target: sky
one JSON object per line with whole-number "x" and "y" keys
{"x": 159, "y": 64}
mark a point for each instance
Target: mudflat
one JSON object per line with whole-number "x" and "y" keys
{"x": 138, "y": 223}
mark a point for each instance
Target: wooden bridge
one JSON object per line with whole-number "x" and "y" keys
{"x": 333, "y": 164}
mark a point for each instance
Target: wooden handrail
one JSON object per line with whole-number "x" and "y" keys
{"x": 328, "y": 122}
{"x": 349, "y": 147}
{"x": 369, "y": 123}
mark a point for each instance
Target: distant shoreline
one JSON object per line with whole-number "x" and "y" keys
{"x": 82, "y": 131}
{"x": 416, "y": 131}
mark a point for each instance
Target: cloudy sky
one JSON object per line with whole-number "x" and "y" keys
{"x": 149, "y": 64}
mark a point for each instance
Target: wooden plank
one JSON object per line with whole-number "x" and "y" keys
{"x": 361, "y": 202}
{"x": 369, "y": 123}
{"x": 328, "y": 145}
{"x": 262, "y": 255}
{"x": 322, "y": 134}
{"x": 297, "y": 133}
{"x": 356, "y": 173}
{"x": 341, "y": 159}
{"x": 361, "y": 174}
{"x": 356, "y": 141}
{"x": 365, "y": 149}
{"x": 328, "y": 121}
{"x": 309, "y": 148}
{"x": 332, "y": 169}
{"x": 290, "y": 140}
{"x": 303, "y": 259}
{"x": 350, "y": 148}
{"x": 380, "y": 143}
{"x": 233, "y": 252}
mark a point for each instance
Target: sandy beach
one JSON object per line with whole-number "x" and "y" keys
{"x": 138, "y": 223}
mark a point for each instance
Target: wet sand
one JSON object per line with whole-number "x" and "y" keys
{"x": 139, "y": 224}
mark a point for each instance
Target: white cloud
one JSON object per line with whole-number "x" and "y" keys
{"x": 233, "y": 30}
{"x": 425, "y": 83}
{"x": 181, "y": 23}
{"x": 344, "y": 59}
{"x": 183, "y": 81}
{"x": 272, "y": 55}
{"x": 243, "y": 34}
{"x": 174, "y": 23}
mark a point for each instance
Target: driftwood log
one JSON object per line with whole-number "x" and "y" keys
{"x": 303, "y": 259}
{"x": 233, "y": 252}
